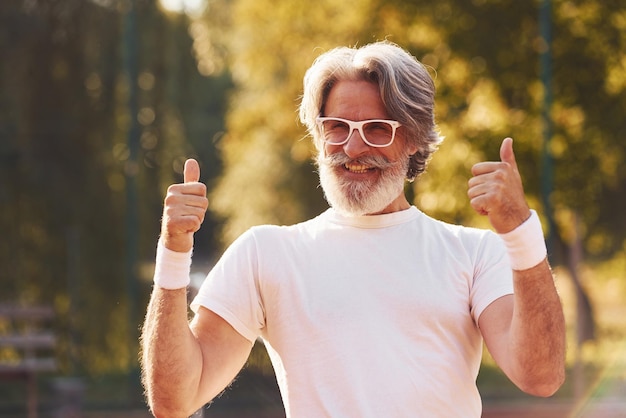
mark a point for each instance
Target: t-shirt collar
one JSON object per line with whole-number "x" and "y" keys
{"x": 373, "y": 221}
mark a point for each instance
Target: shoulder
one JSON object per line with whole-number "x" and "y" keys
{"x": 269, "y": 231}
{"x": 460, "y": 231}
{"x": 471, "y": 238}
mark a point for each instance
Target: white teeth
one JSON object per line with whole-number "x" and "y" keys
{"x": 357, "y": 168}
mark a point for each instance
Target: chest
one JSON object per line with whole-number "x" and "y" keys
{"x": 400, "y": 284}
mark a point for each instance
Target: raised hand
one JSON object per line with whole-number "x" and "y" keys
{"x": 184, "y": 209}
{"x": 496, "y": 191}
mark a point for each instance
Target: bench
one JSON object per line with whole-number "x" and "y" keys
{"x": 26, "y": 347}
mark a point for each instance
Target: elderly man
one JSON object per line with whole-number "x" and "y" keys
{"x": 372, "y": 308}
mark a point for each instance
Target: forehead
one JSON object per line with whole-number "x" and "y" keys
{"x": 355, "y": 100}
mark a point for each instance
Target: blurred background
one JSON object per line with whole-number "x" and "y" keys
{"x": 101, "y": 101}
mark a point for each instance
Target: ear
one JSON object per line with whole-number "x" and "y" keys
{"x": 411, "y": 146}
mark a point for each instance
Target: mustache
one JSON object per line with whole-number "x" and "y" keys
{"x": 339, "y": 160}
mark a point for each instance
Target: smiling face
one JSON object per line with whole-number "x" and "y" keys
{"x": 358, "y": 179}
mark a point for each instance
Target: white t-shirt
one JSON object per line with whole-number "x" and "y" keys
{"x": 372, "y": 316}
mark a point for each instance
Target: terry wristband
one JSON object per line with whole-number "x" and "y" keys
{"x": 172, "y": 268}
{"x": 525, "y": 244}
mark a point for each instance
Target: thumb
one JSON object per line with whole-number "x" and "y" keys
{"x": 191, "y": 172}
{"x": 506, "y": 152}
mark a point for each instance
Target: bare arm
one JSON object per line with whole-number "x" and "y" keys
{"x": 524, "y": 332}
{"x": 171, "y": 356}
{"x": 186, "y": 365}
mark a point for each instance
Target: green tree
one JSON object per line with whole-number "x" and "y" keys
{"x": 484, "y": 56}
{"x": 64, "y": 156}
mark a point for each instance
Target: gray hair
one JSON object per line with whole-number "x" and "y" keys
{"x": 406, "y": 89}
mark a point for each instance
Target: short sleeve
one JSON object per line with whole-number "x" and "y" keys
{"x": 493, "y": 277}
{"x": 231, "y": 289}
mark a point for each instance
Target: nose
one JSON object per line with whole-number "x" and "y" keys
{"x": 355, "y": 145}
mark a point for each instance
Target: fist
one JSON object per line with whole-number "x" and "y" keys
{"x": 184, "y": 209}
{"x": 496, "y": 191}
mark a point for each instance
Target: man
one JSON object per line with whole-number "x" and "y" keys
{"x": 372, "y": 308}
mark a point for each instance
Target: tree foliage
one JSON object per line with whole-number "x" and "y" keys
{"x": 64, "y": 161}
{"x": 484, "y": 55}
{"x": 225, "y": 89}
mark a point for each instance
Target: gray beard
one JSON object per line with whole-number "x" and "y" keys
{"x": 356, "y": 198}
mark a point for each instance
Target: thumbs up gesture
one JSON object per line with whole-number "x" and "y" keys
{"x": 184, "y": 209}
{"x": 496, "y": 191}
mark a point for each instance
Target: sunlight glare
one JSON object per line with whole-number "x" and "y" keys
{"x": 192, "y": 7}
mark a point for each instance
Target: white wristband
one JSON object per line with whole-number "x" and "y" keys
{"x": 171, "y": 270}
{"x": 525, "y": 244}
